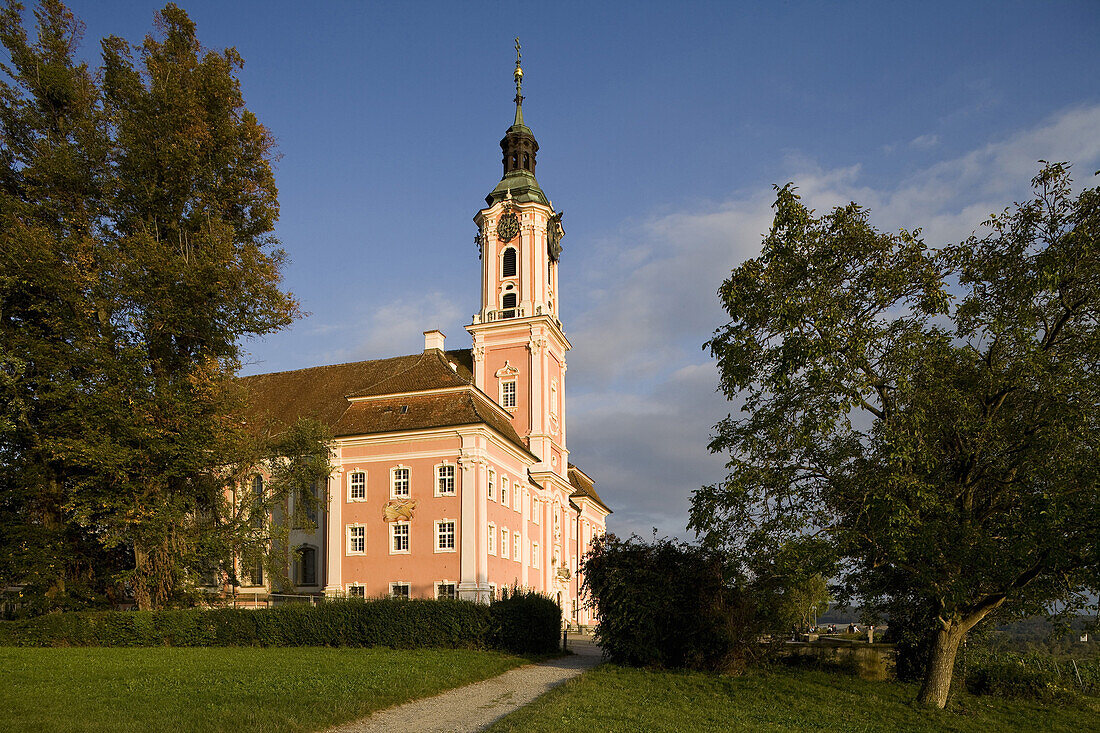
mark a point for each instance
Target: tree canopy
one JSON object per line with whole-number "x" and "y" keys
{"x": 925, "y": 420}
{"x": 137, "y": 205}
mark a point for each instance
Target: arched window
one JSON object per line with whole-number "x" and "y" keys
{"x": 307, "y": 565}
{"x": 509, "y": 305}
{"x": 509, "y": 265}
{"x": 526, "y": 161}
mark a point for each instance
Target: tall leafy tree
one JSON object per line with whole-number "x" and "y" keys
{"x": 53, "y": 284}
{"x": 928, "y": 418}
{"x": 141, "y": 249}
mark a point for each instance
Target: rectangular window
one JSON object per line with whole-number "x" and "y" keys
{"x": 504, "y": 491}
{"x": 256, "y": 574}
{"x": 399, "y": 533}
{"x": 399, "y": 590}
{"x": 357, "y": 540}
{"x": 356, "y": 590}
{"x": 504, "y": 543}
{"x": 534, "y": 554}
{"x": 399, "y": 486}
{"x": 508, "y": 394}
{"x": 445, "y": 536}
{"x": 311, "y": 505}
{"x": 445, "y": 480}
{"x": 357, "y": 490}
{"x": 257, "y": 510}
{"x": 492, "y": 548}
{"x": 517, "y": 545}
{"x": 492, "y": 485}
{"x": 536, "y": 510}
{"x": 446, "y": 591}
{"x": 517, "y": 498}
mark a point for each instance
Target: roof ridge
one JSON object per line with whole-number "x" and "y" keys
{"x": 392, "y": 376}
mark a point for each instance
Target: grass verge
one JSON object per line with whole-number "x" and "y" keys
{"x": 222, "y": 689}
{"x": 611, "y": 698}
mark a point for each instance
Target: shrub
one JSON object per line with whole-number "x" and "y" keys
{"x": 525, "y": 623}
{"x": 667, "y": 604}
{"x": 1005, "y": 674}
{"x": 385, "y": 622}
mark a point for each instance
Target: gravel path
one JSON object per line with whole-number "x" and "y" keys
{"x": 476, "y": 706}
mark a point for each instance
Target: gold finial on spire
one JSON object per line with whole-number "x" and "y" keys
{"x": 518, "y": 74}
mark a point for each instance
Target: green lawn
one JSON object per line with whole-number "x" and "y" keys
{"x": 221, "y": 689}
{"x": 611, "y": 698}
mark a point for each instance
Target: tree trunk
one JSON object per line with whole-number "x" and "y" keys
{"x": 141, "y": 578}
{"x": 941, "y": 664}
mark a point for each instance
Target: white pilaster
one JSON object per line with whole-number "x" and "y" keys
{"x": 334, "y": 558}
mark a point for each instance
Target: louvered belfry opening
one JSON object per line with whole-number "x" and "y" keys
{"x": 509, "y": 305}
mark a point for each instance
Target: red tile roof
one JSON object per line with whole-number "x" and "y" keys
{"x": 584, "y": 487}
{"x": 321, "y": 393}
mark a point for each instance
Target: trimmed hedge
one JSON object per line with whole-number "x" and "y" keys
{"x": 525, "y": 623}
{"x": 520, "y": 627}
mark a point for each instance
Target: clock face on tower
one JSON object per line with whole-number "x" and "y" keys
{"x": 508, "y": 227}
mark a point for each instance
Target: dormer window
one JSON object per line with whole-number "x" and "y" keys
{"x": 508, "y": 266}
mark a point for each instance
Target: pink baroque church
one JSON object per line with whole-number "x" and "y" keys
{"x": 452, "y": 475}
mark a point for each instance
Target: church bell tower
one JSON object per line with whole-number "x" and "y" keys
{"x": 518, "y": 342}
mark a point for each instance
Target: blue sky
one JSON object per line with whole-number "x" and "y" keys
{"x": 662, "y": 127}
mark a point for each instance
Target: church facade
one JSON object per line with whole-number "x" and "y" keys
{"x": 451, "y": 469}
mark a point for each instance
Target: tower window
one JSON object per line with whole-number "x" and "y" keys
{"x": 509, "y": 265}
{"x": 507, "y": 401}
{"x": 526, "y": 161}
{"x": 509, "y": 304}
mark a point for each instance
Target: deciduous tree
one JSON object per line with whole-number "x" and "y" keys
{"x": 931, "y": 418}
{"x": 138, "y": 208}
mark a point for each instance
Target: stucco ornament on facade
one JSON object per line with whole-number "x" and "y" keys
{"x": 399, "y": 509}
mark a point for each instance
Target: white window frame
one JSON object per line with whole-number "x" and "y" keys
{"x": 536, "y": 509}
{"x": 504, "y": 490}
{"x": 348, "y": 537}
{"x": 508, "y": 396}
{"x": 535, "y": 554}
{"x": 439, "y": 479}
{"x": 351, "y": 590}
{"x": 492, "y": 547}
{"x": 393, "y": 482}
{"x": 439, "y": 535}
{"x": 451, "y": 583}
{"x": 394, "y": 535}
{"x": 517, "y": 498}
{"x": 406, "y": 584}
{"x": 517, "y": 547}
{"x": 491, "y": 486}
{"x": 505, "y": 539}
{"x": 351, "y": 485}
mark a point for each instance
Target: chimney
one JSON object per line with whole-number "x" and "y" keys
{"x": 433, "y": 340}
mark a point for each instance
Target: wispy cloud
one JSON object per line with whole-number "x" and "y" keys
{"x": 925, "y": 142}
{"x": 642, "y": 392}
